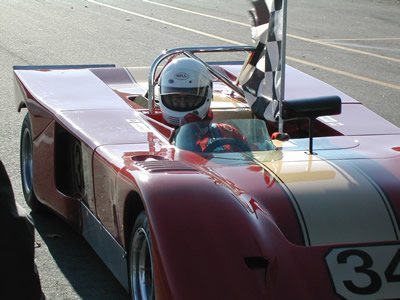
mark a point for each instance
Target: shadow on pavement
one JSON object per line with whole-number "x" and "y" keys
{"x": 85, "y": 272}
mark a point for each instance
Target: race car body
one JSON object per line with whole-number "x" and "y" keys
{"x": 276, "y": 220}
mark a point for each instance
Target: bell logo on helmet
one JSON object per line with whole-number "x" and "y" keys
{"x": 181, "y": 76}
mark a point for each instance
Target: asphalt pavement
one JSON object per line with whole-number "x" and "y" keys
{"x": 353, "y": 45}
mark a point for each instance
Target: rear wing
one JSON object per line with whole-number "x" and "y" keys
{"x": 61, "y": 67}
{"x": 21, "y": 94}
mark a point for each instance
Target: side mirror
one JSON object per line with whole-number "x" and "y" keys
{"x": 311, "y": 108}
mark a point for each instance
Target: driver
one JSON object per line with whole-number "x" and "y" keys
{"x": 186, "y": 93}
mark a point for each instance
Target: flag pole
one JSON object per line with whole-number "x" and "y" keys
{"x": 283, "y": 66}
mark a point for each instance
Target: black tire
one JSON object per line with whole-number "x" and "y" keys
{"x": 26, "y": 165}
{"x": 141, "y": 276}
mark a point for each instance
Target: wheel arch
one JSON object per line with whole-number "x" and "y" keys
{"x": 202, "y": 216}
{"x": 68, "y": 170}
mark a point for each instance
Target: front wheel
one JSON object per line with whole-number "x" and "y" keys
{"x": 140, "y": 261}
{"x": 26, "y": 164}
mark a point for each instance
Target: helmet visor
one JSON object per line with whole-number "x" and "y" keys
{"x": 184, "y": 99}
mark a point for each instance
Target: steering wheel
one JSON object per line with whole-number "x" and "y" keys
{"x": 228, "y": 141}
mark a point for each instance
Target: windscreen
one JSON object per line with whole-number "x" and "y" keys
{"x": 242, "y": 135}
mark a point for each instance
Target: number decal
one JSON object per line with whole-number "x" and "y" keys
{"x": 376, "y": 281}
{"x": 389, "y": 273}
{"x": 365, "y": 273}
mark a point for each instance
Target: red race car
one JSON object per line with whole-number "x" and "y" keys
{"x": 245, "y": 216}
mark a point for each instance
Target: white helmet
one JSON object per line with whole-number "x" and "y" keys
{"x": 185, "y": 87}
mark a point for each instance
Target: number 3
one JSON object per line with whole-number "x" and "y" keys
{"x": 376, "y": 281}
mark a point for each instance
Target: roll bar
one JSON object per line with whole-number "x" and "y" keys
{"x": 190, "y": 52}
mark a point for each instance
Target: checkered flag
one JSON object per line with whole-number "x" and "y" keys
{"x": 262, "y": 75}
